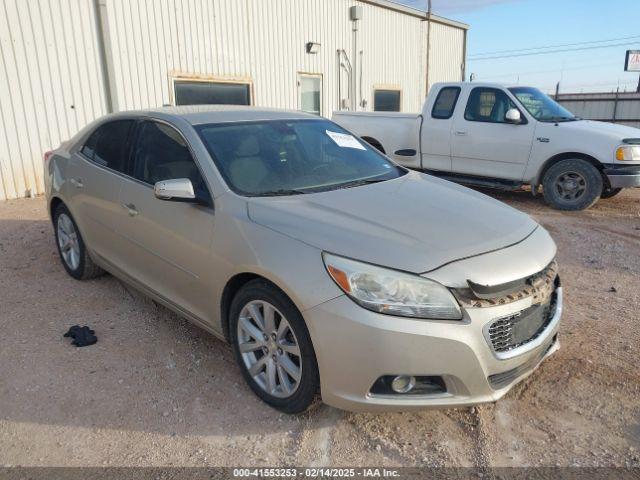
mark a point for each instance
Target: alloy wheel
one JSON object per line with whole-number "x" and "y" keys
{"x": 68, "y": 241}
{"x": 269, "y": 349}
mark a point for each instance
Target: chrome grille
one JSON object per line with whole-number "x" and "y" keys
{"x": 513, "y": 331}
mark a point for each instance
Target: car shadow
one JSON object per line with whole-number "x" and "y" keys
{"x": 150, "y": 370}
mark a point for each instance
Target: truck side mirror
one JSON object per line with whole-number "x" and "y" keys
{"x": 513, "y": 116}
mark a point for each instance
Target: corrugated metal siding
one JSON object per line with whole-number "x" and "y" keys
{"x": 447, "y": 54}
{"x": 50, "y": 84}
{"x": 601, "y": 106}
{"x": 263, "y": 41}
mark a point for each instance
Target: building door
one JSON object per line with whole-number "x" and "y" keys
{"x": 310, "y": 93}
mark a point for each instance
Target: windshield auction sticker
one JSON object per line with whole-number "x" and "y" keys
{"x": 345, "y": 140}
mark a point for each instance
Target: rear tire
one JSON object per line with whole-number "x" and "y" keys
{"x": 273, "y": 348}
{"x": 572, "y": 184}
{"x": 375, "y": 144}
{"x": 71, "y": 248}
{"x": 610, "y": 192}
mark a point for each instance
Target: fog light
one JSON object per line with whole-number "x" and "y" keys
{"x": 403, "y": 383}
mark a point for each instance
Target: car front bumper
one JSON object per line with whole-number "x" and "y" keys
{"x": 355, "y": 347}
{"x": 622, "y": 176}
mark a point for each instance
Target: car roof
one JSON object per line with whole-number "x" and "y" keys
{"x": 203, "y": 114}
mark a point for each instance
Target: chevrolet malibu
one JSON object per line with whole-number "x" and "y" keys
{"x": 328, "y": 268}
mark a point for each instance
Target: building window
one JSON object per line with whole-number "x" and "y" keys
{"x": 386, "y": 100}
{"x": 310, "y": 87}
{"x": 445, "y": 103}
{"x": 210, "y": 93}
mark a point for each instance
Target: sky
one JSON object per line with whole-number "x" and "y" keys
{"x": 498, "y": 25}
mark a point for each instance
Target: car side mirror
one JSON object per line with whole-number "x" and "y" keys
{"x": 176, "y": 190}
{"x": 513, "y": 116}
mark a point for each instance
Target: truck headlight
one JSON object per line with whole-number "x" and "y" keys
{"x": 392, "y": 292}
{"x": 628, "y": 153}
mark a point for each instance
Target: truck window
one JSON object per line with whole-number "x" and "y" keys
{"x": 445, "y": 103}
{"x": 488, "y": 105}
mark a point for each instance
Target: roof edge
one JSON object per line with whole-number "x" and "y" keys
{"x": 415, "y": 12}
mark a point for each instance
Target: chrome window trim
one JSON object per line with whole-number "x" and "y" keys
{"x": 78, "y": 151}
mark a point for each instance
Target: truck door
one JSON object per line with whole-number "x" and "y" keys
{"x": 484, "y": 143}
{"x": 436, "y": 129}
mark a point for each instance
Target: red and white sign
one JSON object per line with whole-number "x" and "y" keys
{"x": 632, "y": 62}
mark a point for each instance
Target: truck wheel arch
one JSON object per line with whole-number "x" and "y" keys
{"x": 375, "y": 144}
{"x": 565, "y": 156}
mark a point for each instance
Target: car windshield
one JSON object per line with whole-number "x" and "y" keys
{"x": 289, "y": 157}
{"x": 541, "y": 106}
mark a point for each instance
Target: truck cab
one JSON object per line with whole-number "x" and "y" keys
{"x": 507, "y": 137}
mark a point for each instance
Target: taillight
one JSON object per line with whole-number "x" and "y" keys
{"x": 47, "y": 155}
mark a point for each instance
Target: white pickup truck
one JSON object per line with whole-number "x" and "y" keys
{"x": 506, "y": 137}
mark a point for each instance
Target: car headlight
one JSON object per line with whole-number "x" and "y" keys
{"x": 392, "y": 292}
{"x": 628, "y": 153}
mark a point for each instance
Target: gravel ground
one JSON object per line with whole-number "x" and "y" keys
{"x": 156, "y": 391}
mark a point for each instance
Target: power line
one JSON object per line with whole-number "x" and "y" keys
{"x": 549, "y": 51}
{"x": 553, "y": 46}
{"x": 555, "y": 70}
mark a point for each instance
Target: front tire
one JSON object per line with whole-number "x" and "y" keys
{"x": 572, "y": 184}
{"x": 71, "y": 248}
{"x": 273, "y": 348}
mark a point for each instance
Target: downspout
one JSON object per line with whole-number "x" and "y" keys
{"x": 428, "y": 45}
{"x": 362, "y": 102}
{"x": 354, "y": 74}
{"x": 464, "y": 56}
{"x": 105, "y": 58}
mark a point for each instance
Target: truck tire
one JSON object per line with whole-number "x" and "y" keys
{"x": 610, "y": 192}
{"x": 375, "y": 144}
{"x": 572, "y": 184}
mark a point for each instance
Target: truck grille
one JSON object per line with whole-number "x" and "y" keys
{"x": 513, "y": 331}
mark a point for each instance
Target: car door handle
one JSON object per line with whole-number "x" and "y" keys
{"x": 77, "y": 182}
{"x": 130, "y": 208}
{"x": 460, "y": 133}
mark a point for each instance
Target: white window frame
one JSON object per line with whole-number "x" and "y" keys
{"x": 299, "y": 84}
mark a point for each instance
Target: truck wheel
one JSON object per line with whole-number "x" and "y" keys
{"x": 375, "y": 144}
{"x": 610, "y": 192}
{"x": 572, "y": 184}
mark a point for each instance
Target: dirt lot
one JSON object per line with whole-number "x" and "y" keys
{"x": 157, "y": 391}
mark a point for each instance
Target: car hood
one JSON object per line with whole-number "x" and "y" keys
{"x": 612, "y": 131}
{"x": 415, "y": 223}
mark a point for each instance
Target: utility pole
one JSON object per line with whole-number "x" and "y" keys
{"x": 428, "y": 43}
{"x": 557, "y": 91}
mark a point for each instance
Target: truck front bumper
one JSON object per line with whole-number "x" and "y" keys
{"x": 622, "y": 176}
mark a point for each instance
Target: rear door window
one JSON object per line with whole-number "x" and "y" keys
{"x": 108, "y": 146}
{"x": 445, "y": 103}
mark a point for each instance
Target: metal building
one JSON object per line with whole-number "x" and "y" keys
{"x": 65, "y": 62}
